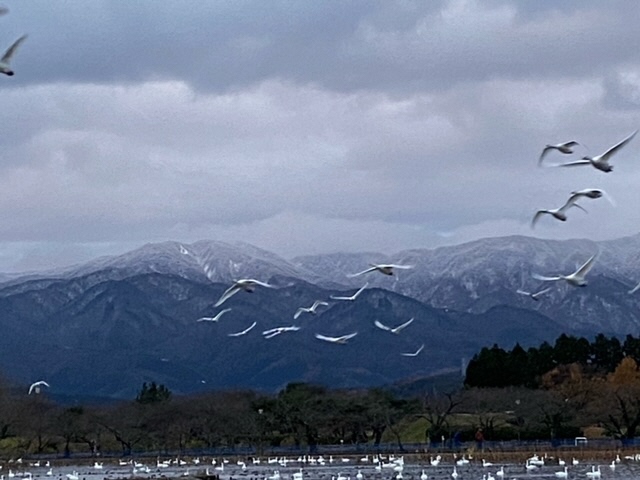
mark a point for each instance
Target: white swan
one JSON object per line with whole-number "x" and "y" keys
{"x": 386, "y": 269}
{"x": 273, "y": 332}
{"x": 562, "y": 473}
{"x": 341, "y": 340}
{"x": 601, "y": 162}
{"x": 246, "y": 284}
{"x": 311, "y": 309}
{"x": 35, "y": 387}
{"x": 575, "y": 279}
{"x": 352, "y": 297}
{"x": 566, "y": 148}
{"x": 594, "y": 473}
{"x": 243, "y": 332}
{"x": 6, "y": 58}
{"x": 413, "y": 354}
{"x": 395, "y": 330}
{"x": 214, "y": 319}
{"x": 592, "y": 193}
{"x": 557, "y": 213}
{"x": 534, "y": 296}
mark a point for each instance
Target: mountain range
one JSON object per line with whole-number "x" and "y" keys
{"x": 104, "y": 327}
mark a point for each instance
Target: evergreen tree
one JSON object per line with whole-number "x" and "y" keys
{"x": 150, "y": 394}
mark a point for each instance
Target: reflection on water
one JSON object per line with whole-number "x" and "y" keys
{"x": 338, "y": 470}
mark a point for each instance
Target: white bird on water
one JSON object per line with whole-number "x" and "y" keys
{"x": 387, "y": 269}
{"x": 601, "y": 162}
{"x": 311, "y": 309}
{"x": 341, "y": 340}
{"x": 557, "y": 213}
{"x": 413, "y": 354}
{"x": 35, "y": 387}
{"x": 6, "y": 58}
{"x": 565, "y": 148}
{"x": 214, "y": 319}
{"x": 535, "y": 295}
{"x": 594, "y": 473}
{"x": 243, "y": 332}
{"x": 575, "y": 279}
{"x": 395, "y": 330}
{"x": 352, "y": 297}
{"x": 246, "y": 284}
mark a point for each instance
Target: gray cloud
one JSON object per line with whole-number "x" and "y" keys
{"x": 310, "y": 126}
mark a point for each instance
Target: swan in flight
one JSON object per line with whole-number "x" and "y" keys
{"x": 6, "y": 58}
{"x": 352, "y": 297}
{"x": 601, "y": 162}
{"x": 214, "y": 319}
{"x": 565, "y": 148}
{"x": 387, "y": 269}
{"x": 243, "y": 332}
{"x": 341, "y": 340}
{"x": 592, "y": 193}
{"x": 534, "y": 296}
{"x": 414, "y": 354}
{"x": 273, "y": 332}
{"x": 35, "y": 387}
{"x": 246, "y": 284}
{"x": 575, "y": 279}
{"x": 395, "y": 330}
{"x": 558, "y": 213}
{"x": 311, "y": 309}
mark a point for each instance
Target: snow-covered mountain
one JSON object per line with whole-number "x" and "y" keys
{"x": 109, "y": 324}
{"x": 479, "y": 275}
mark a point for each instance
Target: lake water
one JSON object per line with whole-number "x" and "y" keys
{"x": 338, "y": 470}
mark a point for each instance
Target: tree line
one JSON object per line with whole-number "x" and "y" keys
{"x": 496, "y": 367}
{"x": 572, "y": 388}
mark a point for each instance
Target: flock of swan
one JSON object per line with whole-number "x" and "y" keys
{"x": 600, "y": 162}
{"x": 249, "y": 285}
{"x": 390, "y": 467}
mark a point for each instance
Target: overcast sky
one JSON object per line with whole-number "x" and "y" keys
{"x": 310, "y": 126}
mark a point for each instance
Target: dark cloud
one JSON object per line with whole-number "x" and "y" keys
{"x": 311, "y": 126}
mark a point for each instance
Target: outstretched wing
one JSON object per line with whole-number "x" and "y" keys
{"x": 403, "y": 326}
{"x": 381, "y": 326}
{"x": 413, "y": 354}
{"x": 318, "y": 303}
{"x": 325, "y": 338}
{"x": 228, "y": 293}
{"x": 537, "y": 215}
{"x": 253, "y": 281}
{"x": 606, "y": 155}
{"x": 243, "y": 332}
{"x": 635, "y": 289}
{"x": 401, "y": 267}
{"x": 522, "y": 292}
{"x": 545, "y": 279}
{"x": 6, "y": 58}
{"x": 545, "y": 150}
{"x": 370, "y": 269}
{"x": 540, "y": 293}
{"x": 299, "y": 312}
{"x": 575, "y": 163}
{"x": 588, "y": 265}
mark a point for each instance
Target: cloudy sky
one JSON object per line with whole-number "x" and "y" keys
{"x": 308, "y": 127}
